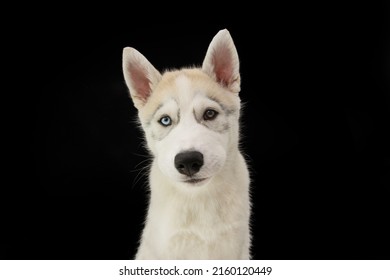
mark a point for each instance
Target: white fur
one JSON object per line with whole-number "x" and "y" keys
{"x": 206, "y": 219}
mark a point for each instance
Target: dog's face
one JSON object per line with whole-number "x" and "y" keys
{"x": 190, "y": 117}
{"x": 190, "y": 123}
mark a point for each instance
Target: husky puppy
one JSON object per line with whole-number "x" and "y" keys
{"x": 199, "y": 204}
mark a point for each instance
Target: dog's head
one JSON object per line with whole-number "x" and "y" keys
{"x": 190, "y": 116}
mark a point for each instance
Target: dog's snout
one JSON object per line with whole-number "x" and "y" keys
{"x": 189, "y": 163}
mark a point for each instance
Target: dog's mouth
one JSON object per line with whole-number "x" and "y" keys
{"x": 195, "y": 181}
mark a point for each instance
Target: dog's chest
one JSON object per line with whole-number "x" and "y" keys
{"x": 197, "y": 217}
{"x": 191, "y": 232}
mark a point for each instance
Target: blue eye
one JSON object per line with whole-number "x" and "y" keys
{"x": 165, "y": 121}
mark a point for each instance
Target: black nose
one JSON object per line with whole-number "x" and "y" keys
{"x": 188, "y": 163}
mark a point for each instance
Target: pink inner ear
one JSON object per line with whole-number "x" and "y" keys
{"x": 140, "y": 82}
{"x": 223, "y": 65}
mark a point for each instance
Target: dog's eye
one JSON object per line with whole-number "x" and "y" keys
{"x": 210, "y": 114}
{"x": 165, "y": 121}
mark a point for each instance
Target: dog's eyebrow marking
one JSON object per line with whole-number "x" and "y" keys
{"x": 178, "y": 107}
{"x": 149, "y": 120}
{"x": 228, "y": 111}
{"x": 178, "y": 116}
{"x": 158, "y": 108}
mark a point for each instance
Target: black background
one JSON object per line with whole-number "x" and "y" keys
{"x": 315, "y": 88}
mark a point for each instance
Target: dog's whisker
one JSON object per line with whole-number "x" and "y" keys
{"x": 142, "y": 169}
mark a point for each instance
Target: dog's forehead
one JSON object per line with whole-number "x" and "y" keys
{"x": 185, "y": 84}
{"x": 184, "y": 80}
{"x": 188, "y": 90}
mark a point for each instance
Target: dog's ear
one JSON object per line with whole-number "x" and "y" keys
{"x": 222, "y": 62}
{"x": 140, "y": 75}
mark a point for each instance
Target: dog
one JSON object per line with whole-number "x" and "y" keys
{"x": 199, "y": 205}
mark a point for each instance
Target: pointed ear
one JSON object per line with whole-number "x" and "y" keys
{"x": 140, "y": 76}
{"x": 221, "y": 61}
